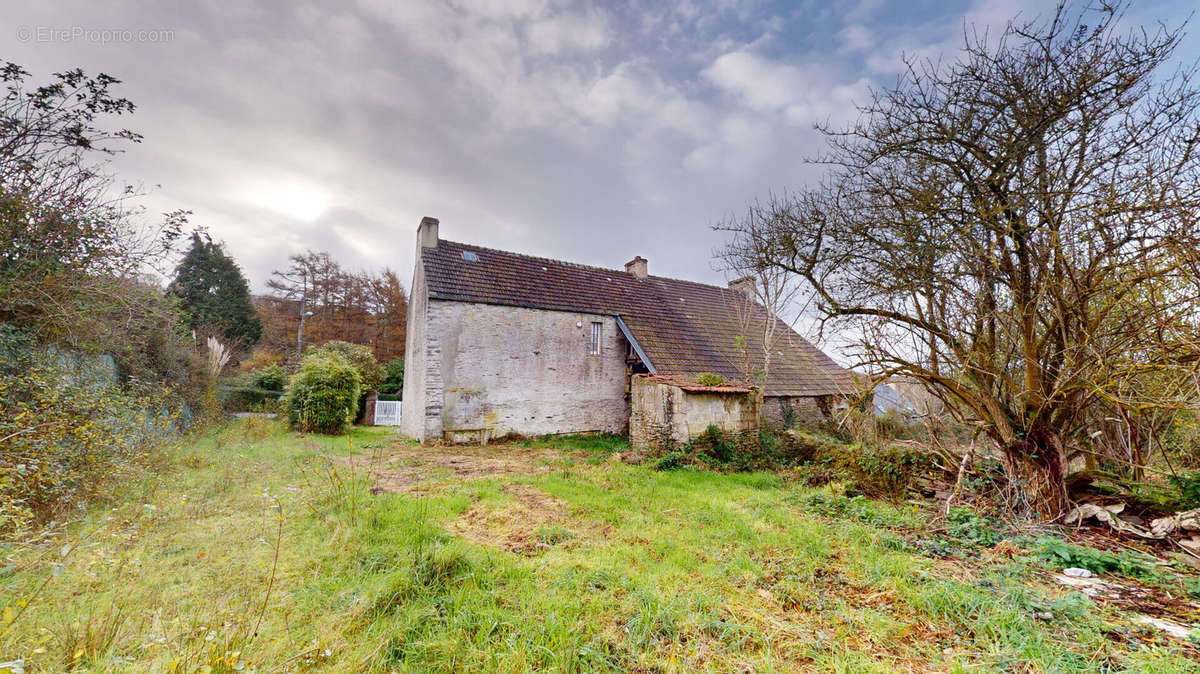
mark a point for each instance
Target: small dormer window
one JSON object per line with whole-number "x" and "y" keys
{"x": 594, "y": 339}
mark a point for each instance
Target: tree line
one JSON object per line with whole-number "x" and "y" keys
{"x": 334, "y": 304}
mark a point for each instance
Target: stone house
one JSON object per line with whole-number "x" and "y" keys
{"x": 501, "y": 342}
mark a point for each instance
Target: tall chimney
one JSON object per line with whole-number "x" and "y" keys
{"x": 744, "y": 285}
{"x": 637, "y": 267}
{"x": 427, "y": 232}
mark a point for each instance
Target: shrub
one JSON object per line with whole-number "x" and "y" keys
{"x": 716, "y": 444}
{"x": 889, "y": 425}
{"x": 1188, "y": 485}
{"x": 881, "y": 471}
{"x": 969, "y": 526}
{"x": 709, "y": 379}
{"x": 1128, "y": 563}
{"x": 670, "y": 461}
{"x": 762, "y": 449}
{"x": 244, "y": 398}
{"x": 323, "y": 396}
{"x": 68, "y": 433}
{"x": 805, "y": 446}
{"x": 271, "y": 377}
{"x": 359, "y": 356}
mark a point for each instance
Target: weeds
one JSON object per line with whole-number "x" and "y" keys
{"x": 688, "y": 569}
{"x": 833, "y": 503}
{"x": 967, "y": 525}
{"x": 90, "y": 641}
{"x": 653, "y": 621}
{"x": 1188, "y": 485}
{"x": 1126, "y": 563}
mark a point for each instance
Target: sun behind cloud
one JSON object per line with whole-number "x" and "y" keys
{"x": 294, "y": 199}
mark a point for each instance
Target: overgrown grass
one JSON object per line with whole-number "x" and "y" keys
{"x": 642, "y": 570}
{"x": 595, "y": 443}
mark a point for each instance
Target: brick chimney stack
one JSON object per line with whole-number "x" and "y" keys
{"x": 744, "y": 285}
{"x": 427, "y": 232}
{"x": 637, "y": 267}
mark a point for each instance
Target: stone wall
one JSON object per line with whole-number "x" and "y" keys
{"x": 490, "y": 370}
{"x": 660, "y": 410}
{"x": 806, "y": 411}
{"x": 421, "y": 414}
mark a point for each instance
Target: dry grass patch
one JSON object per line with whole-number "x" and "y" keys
{"x": 415, "y": 468}
{"x": 529, "y": 522}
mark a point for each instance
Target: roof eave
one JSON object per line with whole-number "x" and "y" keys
{"x": 637, "y": 348}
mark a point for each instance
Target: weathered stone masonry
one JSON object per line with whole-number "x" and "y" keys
{"x": 528, "y": 371}
{"x": 474, "y": 368}
{"x": 669, "y": 410}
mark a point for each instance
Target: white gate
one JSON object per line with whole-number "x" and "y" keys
{"x": 387, "y": 412}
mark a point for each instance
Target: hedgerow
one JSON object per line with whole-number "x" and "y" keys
{"x": 69, "y": 431}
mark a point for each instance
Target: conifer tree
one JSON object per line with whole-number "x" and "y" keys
{"x": 214, "y": 294}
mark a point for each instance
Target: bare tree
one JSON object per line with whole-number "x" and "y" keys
{"x": 355, "y": 307}
{"x": 774, "y": 290}
{"x": 1015, "y": 230}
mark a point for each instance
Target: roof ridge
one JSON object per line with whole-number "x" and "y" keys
{"x": 535, "y": 257}
{"x": 579, "y": 265}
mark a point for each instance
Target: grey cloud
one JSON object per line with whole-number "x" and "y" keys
{"x": 586, "y": 132}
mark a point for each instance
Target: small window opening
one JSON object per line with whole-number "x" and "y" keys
{"x": 594, "y": 341}
{"x": 470, "y": 257}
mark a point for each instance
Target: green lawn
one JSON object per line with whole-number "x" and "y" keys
{"x": 264, "y": 551}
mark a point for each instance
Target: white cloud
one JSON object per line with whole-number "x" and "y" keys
{"x": 856, "y": 38}
{"x": 579, "y": 31}
{"x": 553, "y": 126}
{"x": 803, "y": 94}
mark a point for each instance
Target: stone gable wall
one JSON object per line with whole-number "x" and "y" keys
{"x": 490, "y": 370}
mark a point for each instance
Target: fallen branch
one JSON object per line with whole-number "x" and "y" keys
{"x": 962, "y": 470}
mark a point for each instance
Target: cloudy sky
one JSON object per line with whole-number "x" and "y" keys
{"x": 577, "y": 131}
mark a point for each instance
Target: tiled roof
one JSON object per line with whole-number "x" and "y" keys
{"x": 692, "y": 386}
{"x": 685, "y": 328}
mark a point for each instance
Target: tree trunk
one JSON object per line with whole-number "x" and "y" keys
{"x": 1036, "y": 467}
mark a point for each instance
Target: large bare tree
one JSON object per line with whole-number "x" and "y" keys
{"x": 1016, "y": 230}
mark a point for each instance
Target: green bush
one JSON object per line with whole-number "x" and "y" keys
{"x": 1059, "y": 553}
{"x": 323, "y": 396}
{"x": 670, "y": 461}
{"x": 237, "y": 398}
{"x": 1188, "y": 485}
{"x": 886, "y": 471}
{"x": 969, "y": 526}
{"x": 709, "y": 379}
{"x": 359, "y": 356}
{"x": 270, "y": 378}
